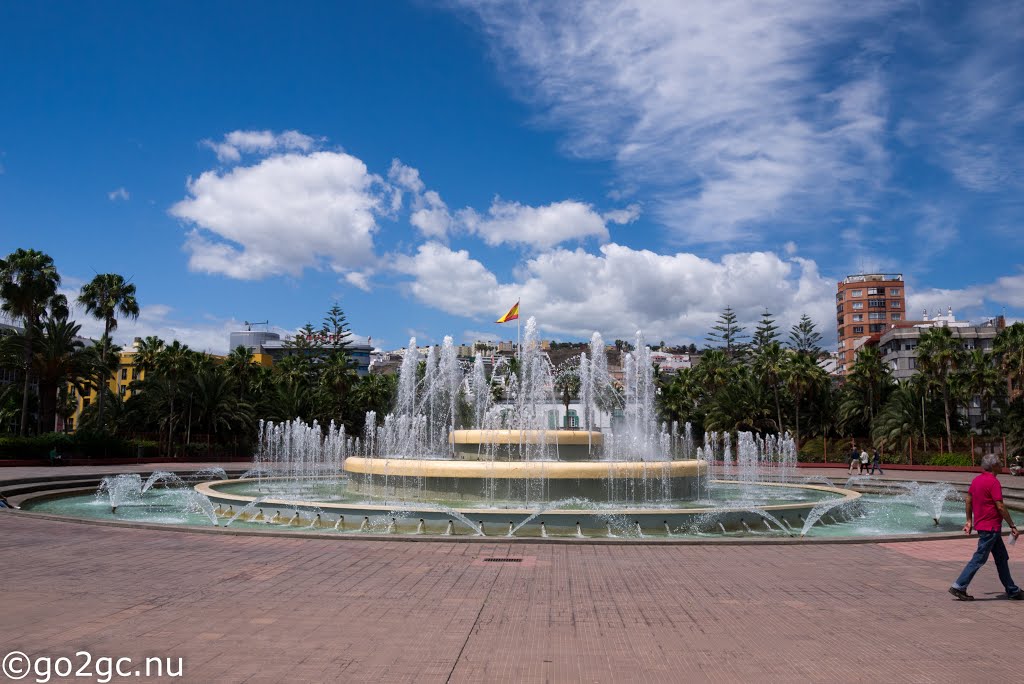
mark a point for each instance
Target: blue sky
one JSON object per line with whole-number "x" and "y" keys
{"x": 619, "y": 166}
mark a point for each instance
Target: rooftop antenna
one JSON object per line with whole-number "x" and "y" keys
{"x": 248, "y": 325}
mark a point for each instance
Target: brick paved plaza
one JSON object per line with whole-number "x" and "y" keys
{"x": 266, "y": 609}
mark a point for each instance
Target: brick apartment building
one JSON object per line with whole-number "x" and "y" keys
{"x": 866, "y": 306}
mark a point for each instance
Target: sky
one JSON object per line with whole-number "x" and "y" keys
{"x": 615, "y": 166}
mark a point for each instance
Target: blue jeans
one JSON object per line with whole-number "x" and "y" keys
{"x": 989, "y": 542}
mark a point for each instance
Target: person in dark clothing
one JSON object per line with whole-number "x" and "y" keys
{"x": 854, "y": 457}
{"x": 876, "y": 463}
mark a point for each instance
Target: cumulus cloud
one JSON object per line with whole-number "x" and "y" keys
{"x": 541, "y": 227}
{"x": 283, "y": 214}
{"x": 620, "y": 289}
{"x": 119, "y": 194}
{"x": 235, "y": 143}
{"x": 717, "y": 109}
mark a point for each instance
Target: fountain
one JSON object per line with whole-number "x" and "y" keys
{"x": 453, "y": 457}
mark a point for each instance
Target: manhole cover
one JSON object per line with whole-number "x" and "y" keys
{"x": 503, "y": 560}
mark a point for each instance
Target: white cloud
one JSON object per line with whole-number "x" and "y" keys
{"x": 622, "y": 216}
{"x": 119, "y": 194}
{"x": 283, "y": 214}
{"x": 717, "y": 106}
{"x": 359, "y": 279}
{"x": 235, "y": 143}
{"x": 620, "y": 290}
{"x": 541, "y": 227}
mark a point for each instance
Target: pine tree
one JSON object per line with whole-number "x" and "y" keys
{"x": 728, "y": 336}
{"x": 766, "y": 332}
{"x": 336, "y": 327}
{"x": 804, "y": 338}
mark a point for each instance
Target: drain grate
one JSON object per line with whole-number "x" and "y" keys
{"x": 503, "y": 560}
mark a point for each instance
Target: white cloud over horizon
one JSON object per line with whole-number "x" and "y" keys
{"x": 621, "y": 290}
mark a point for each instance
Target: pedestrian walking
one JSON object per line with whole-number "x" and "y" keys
{"x": 985, "y": 514}
{"x": 876, "y": 463}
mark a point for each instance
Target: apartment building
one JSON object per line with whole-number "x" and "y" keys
{"x": 866, "y": 306}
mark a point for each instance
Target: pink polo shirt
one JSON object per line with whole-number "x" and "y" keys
{"x": 985, "y": 490}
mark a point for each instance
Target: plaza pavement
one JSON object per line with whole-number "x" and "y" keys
{"x": 275, "y": 609}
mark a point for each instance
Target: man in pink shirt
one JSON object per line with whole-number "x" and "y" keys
{"x": 986, "y": 513}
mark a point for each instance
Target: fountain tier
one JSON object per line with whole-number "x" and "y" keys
{"x": 508, "y": 445}
{"x": 419, "y": 479}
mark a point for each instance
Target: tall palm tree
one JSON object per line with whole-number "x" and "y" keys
{"x": 769, "y": 366}
{"x": 106, "y": 296}
{"x": 29, "y": 285}
{"x": 939, "y": 355}
{"x": 240, "y": 367}
{"x": 870, "y": 374}
{"x": 174, "y": 364}
{"x": 803, "y": 377}
{"x": 980, "y": 378}
{"x": 1009, "y": 349}
{"x": 58, "y": 359}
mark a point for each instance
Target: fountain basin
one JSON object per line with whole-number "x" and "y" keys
{"x": 622, "y": 519}
{"x": 512, "y": 444}
{"x": 417, "y": 479}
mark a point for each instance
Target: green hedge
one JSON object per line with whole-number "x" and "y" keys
{"x": 76, "y": 445}
{"x": 953, "y": 459}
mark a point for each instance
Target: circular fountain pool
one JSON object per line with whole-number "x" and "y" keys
{"x": 728, "y": 509}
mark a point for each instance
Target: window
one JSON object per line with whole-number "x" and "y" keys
{"x": 857, "y": 305}
{"x": 124, "y": 373}
{"x": 877, "y": 315}
{"x": 895, "y": 305}
{"x": 895, "y": 292}
{"x": 877, "y": 327}
{"x": 857, "y": 318}
{"x": 857, "y": 293}
{"x": 876, "y": 303}
{"x": 896, "y": 317}
{"x": 858, "y": 329}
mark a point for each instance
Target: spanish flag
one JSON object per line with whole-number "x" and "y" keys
{"x": 513, "y": 314}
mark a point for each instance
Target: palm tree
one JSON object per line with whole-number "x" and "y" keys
{"x": 870, "y": 374}
{"x": 240, "y": 367}
{"x": 173, "y": 364}
{"x": 58, "y": 359}
{"x": 741, "y": 406}
{"x": 715, "y": 370}
{"x": 28, "y": 288}
{"x": 898, "y": 421}
{"x": 939, "y": 355}
{"x": 106, "y": 296}
{"x": 1009, "y": 349}
{"x": 803, "y": 376}
{"x": 980, "y": 378}
{"x": 769, "y": 366}
{"x": 146, "y": 354}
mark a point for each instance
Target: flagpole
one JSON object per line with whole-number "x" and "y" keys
{"x": 518, "y": 339}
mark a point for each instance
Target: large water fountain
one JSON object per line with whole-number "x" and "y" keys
{"x": 452, "y": 459}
